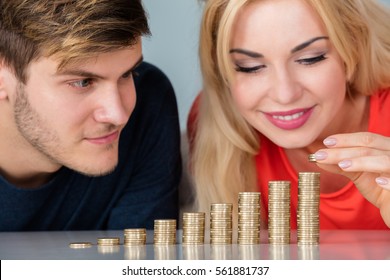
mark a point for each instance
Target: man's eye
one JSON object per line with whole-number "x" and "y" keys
{"x": 130, "y": 74}
{"x": 311, "y": 60}
{"x": 81, "y": 83}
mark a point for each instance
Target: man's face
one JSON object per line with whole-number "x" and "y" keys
{"x": 74, "y": 117}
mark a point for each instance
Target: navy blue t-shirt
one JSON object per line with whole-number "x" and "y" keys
{"x": 142, "y": 188}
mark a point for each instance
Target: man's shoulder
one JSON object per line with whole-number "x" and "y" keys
{"x": 149, "y": 74}
{"x": 153, "y": 88}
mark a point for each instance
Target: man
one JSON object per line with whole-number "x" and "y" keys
{"x": 89, "y": 135}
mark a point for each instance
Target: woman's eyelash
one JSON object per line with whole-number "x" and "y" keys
{"x": 248, "y": 69}
{"x": 312, "y": 60}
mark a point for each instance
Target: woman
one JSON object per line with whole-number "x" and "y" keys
{"x": 287, "y": 78}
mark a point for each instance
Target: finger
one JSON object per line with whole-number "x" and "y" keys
{"x": 358, "y": 139}
{"x": 334, "y": 156}
{"x": 373, "y": 164}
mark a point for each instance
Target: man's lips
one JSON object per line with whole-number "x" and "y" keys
{"x": 289, "y": 120}
{"x": 105, "y": 139}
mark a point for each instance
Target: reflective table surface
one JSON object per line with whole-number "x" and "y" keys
{"x": 334, "y": 245}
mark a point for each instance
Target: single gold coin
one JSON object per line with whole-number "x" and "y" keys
{"x": 80, "y": 245}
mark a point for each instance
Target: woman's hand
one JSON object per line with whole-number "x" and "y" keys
{"x": 364, "y": 158}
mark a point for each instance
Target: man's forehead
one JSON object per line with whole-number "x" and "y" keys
{"x": 133, "y": 57}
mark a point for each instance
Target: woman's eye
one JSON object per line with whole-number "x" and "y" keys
{"x": 81, "y": 83}
{"x": 249, "y": 69}
{"x": 311, "y": 60}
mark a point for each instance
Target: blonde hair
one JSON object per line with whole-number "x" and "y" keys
{"x": 225, "y": 144}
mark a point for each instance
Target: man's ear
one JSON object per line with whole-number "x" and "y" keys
{"x": 4, "y": 69}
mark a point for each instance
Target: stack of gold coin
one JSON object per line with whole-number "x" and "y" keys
{"x": 165, "y": 232}
{"x": 108, "y": 245}
{"x": 308, "y": 220}
{"x": 248, "y": 218}
{"x": 134, "y": 236}
{"x": 279, "y": 212}
{"x": 108, "y": 241}
{"x": 312, "y": 158}
{"x": 193, "y": 228}
{"x": 80, "y": 245}
{"x": 221, "y": 223}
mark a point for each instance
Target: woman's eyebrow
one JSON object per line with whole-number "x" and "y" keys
{"x": 308, "y": 43}
{"x": 295, "y": 49}
{"x": 246, "y": 52}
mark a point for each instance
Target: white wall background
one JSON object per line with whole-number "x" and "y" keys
{"x": 173, "y": 46}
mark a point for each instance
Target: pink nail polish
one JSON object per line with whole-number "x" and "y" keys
{"x": 330, "y": 142}
{"x": 320, "y": 155}
{"x": 381, "y": 181}
{"x": 345, "y": 164}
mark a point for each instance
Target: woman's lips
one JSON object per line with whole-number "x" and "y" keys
{"x": 290, "y": 119}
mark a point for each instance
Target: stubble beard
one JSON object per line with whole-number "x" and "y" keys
{"x": 33, "y": 129}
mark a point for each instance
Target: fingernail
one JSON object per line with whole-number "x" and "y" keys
{"x": 345, "y": 164}
{"x": 381, "y": 181}
{"x": 320, "y": 155}
{"x": 330, "y": 142}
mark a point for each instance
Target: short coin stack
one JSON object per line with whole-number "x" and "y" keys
{"x": 193, "y": 228}
{"x": 221, "y": 223}
{"x": 165, "y": 232}
{"x": 248, "y": 218}
{"x": 279, "y": 212}
{"x": 134, "y": 236}
{"x": 108, "y": 241}
{"x": 108, "y": 245}
{"x": 308, "y": 220}
{"x": 80, "y": 245}
{"x": 312, "y": 158}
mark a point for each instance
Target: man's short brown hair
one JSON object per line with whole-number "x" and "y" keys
{"x": 66, "y": 29}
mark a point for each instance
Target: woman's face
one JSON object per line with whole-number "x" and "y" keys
{"x": 289, "y": 80}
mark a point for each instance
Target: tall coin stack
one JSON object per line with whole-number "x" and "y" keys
{"x": 308, "y": 220}
{"x": 165, "y": 232}
{"x": 279, "y": 212}
{"x": 221, "y": 223}
{"x": 134, "y": 236}
{"x": 193, "y": 228}
{"x": 248, "y": 218}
